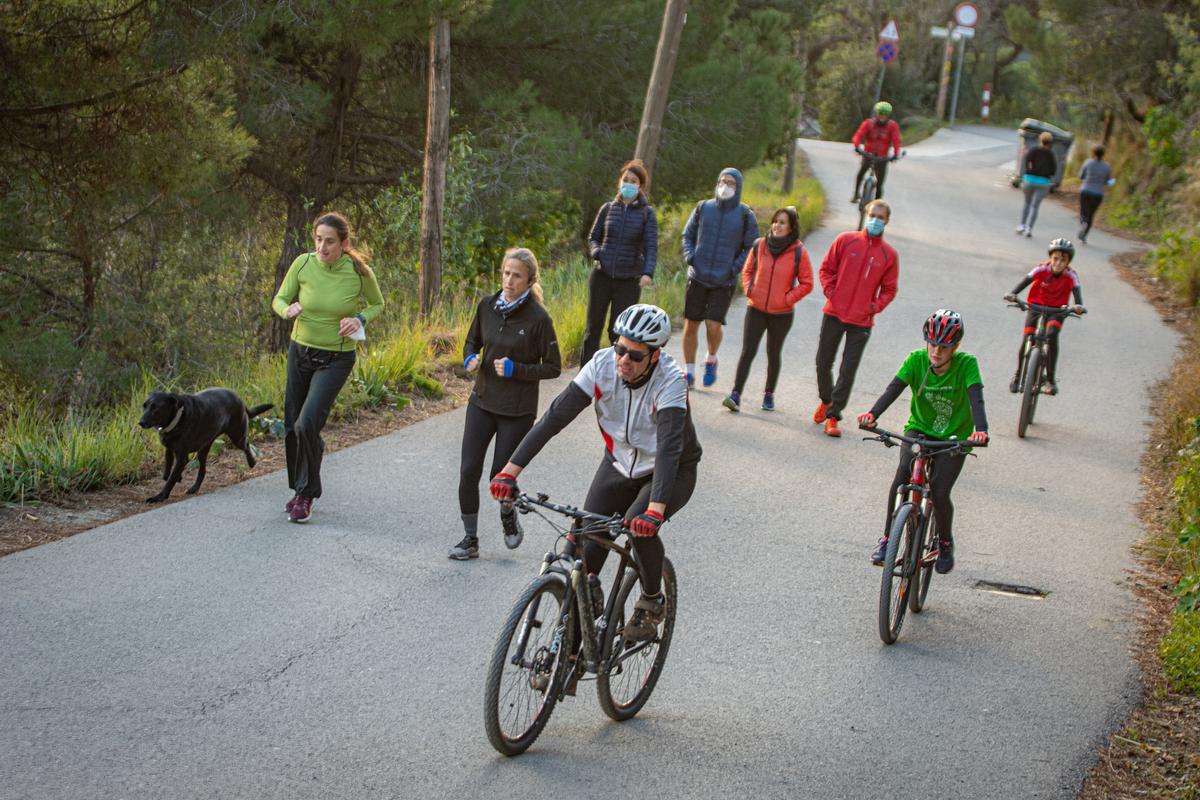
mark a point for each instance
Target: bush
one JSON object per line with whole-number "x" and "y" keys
{"x": 1180, "y": 651}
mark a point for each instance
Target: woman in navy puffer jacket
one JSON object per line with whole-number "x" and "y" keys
{"x": 624, "y": 248}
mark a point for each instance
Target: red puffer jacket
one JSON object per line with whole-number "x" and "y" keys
{"x": 859, "y": 276}
{"x": 773, "y": 284}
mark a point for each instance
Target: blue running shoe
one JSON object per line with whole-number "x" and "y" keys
{"x": 945, "y": 559}
{"x": 733, "y": 402}
{"x": 768, "y": 403}
{"x": 710, "y": 373}
{"x": 691, "y": 380}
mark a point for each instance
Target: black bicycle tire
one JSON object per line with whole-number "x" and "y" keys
{"x": 868, "y": 186}
{"x": 1033, "y": 364}
{"x": 924, "y": 573}
{"x": 899, "y": 547}
{"x": 623, "y": 711}
{"x": 506, "y": 745}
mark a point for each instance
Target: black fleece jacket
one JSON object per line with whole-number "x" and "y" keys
{"x": 526, "y": 337}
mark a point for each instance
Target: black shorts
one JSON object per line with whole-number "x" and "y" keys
{"x": 701, "y": 302}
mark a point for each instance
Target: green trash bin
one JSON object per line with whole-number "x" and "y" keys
{"x": 1028, "y": 135}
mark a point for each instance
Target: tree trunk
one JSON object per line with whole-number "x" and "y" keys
{"x": 295, "y": 241}
{"x": 650, "y": 131}
{"x": 800, "y": 50}
{"x": 437, "y": 151}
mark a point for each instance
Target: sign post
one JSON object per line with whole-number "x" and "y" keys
{"x": 966, "y": 15}
{"x": 888, "y": 49}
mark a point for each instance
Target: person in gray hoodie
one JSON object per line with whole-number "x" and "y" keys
{"x": 716, "y": 240}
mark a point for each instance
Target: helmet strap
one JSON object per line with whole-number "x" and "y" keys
{"x": 640, "y": 382}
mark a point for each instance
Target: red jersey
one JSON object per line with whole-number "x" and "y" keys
{"x": 1049, "y": 289}
{"x": 876, "y": 138}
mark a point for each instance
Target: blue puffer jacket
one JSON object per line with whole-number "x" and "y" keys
{"x": 624, "y": 238}
{"x": 718, "y": 237}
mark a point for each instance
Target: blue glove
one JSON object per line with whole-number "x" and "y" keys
{"x": 467, "y": 361}
{"x": 508, "y": 367}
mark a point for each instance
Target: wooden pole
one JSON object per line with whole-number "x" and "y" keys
{"x": 800, "y": 51}
{"x": 944, "y": 81}
{"x": 650, "y": 131}
{"x": 437, "y": 151}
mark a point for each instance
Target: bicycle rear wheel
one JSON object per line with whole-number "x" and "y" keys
{"x": 633, "y": 668}
{"x": 923, "y": 574}
{"x": 527, "y": 667}
{"x": 1029, "y": 393}
{"x": 899, "y": 564}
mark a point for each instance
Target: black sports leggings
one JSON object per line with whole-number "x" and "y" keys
{"x": 481, "y": 426}
{"x": 776, "y": 326}
{"x": 1088, "y": 203}
{"x": 880, "y": 174}
{"x": 314, "y": 378}
{"x": 945, "y": 472}
{"x": 1053, "y": 329}
{"x": 612, "y": 493}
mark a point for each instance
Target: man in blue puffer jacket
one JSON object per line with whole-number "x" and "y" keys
{"x": 716, "y": 240}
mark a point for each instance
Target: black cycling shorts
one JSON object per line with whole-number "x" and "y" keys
{"x": 702, "y": 302}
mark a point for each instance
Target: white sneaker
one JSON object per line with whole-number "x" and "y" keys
{"x": 1020, "y": 229}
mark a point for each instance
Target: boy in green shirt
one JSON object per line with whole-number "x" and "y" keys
{"x": 947, "y": 403}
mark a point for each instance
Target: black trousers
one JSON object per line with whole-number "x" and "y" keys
{"x": 880, "y": 174}
{"x": 945, "y": 472}
{"x": 1053, "y": 329}
{"x": 1088, "y": 203}
{"x": 612, "y": 493}
{"x": 314, "y": 378}
{"x": 607, "y": 297}
{"x": 832, "y": 331}
{"x": 776, "y": 327}
{"x": 480, "y": 428}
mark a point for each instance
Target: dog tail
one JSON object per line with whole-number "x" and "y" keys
{"x": 254, "y": 412}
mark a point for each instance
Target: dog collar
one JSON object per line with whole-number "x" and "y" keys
{"x": 174, "y": 422}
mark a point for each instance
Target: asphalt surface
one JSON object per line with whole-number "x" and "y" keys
{"x": 210, "y": 649}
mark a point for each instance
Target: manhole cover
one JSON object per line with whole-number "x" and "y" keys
{"x": 1014, "y": 589}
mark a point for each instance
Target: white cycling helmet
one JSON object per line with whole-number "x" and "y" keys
{"x": 644, "y": 323}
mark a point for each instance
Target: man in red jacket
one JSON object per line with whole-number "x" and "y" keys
{"x": 858, "y": 276}
{"x": 873, "y": 138}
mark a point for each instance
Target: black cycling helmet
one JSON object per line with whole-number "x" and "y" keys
{"x": 1061, "y": 245}
{"x": 944, "y": 328}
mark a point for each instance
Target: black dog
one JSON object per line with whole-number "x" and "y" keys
{"x": 190, "y": 423}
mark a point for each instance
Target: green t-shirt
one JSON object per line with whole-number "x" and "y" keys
{"x": 328, "y": 293}
{"x": 940, "y": 407}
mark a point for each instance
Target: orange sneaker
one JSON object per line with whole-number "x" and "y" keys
{"x": 831, "y": 427}
{"x": 822, "y": 410}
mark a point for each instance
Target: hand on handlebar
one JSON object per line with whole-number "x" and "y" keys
{"x": 860, "y": 151}
{"x": 1079, "y": 309}
{"x": 866, "y": 420}
{"x": 504, "y": 487}
{"x": 978, "y": 437}
{"x": 1012, "y": 298}
{"x": 647, "y": 523}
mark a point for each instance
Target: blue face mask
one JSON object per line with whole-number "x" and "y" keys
{"x": 629, "y": 190}
{"x": 874, "y": 226}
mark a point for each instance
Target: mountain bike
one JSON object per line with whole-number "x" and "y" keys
{"x": 870, "y": 182}
{"x": 553, "y": 637}
{"x": 1032, "y": 375}
{"x": 913, "y": 540}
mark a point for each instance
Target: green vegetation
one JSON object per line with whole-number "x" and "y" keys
{"x": 761, "y": 191}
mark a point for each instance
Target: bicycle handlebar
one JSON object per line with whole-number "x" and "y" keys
{"x": 523, "y": 501}
{"x": 1064, "y": 310}
{"x": 936, "y": 445}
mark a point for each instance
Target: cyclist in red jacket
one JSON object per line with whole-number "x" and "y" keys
{"x": 1054, "y": 284}
{"x": 874, "y": 137}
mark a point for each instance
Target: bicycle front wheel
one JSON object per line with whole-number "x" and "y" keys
{"x": 1033, "y": 374}
{"x": 923, "y": 575}
{"x": 899, "y": 564}
{"x": 527, "y": 667}
{"x": 633, "y": 668}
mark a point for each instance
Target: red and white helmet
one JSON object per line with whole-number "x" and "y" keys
{"x": 944, "y": 328}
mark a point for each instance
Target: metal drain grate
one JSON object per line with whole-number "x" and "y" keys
{"x": 1012, "y": 589}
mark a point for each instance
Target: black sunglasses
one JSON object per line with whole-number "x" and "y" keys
{"x": 636, "y": 356}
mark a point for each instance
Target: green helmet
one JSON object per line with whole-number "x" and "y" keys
{"x": 883, "y": 107}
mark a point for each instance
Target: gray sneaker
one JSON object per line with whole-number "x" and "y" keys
{"x": 648, "y": 613}
{"x": 512, "y": 530}
{"x": 466, "y": 549}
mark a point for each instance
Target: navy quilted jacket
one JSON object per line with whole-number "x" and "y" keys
{"x": 624, "y": 238}
{"x": 718, "y": 237}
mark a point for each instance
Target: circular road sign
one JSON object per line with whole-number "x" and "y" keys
{"x": 966, "y": 15}
{"x": 886, "y": 51}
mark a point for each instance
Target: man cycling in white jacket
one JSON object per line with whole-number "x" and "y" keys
{"x": 649, "y": 467}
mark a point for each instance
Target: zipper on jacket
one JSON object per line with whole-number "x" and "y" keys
{"x": 628, "y": 440}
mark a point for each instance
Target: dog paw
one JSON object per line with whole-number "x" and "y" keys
{"x": 192, "y": 490}
{"x": 155, "y": 499}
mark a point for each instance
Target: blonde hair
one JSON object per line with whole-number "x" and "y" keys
{"x": 526, "y": 257}
{"x": 881, "y": 204}
{"x": 1046, "y": 139}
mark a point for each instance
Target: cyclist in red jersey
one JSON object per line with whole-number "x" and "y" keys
{"x": 1053, "y": 284}
{"x": 874, "y": 137}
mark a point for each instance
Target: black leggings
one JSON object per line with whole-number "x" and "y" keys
{"x": 612, "y": 493}
{"x": 606, "y": 297}
{"x": 314, "y": 378}
{"x": 776, "y": 326}
{"x": 480, "y": 428}
{"x": 1088, "y": 203}
{"x": 880, "y": 174}
{"x": 945, "y": 472}
{"x": 1053, "y": 329}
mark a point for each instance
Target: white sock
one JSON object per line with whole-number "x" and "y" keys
{"x": 691, "y": 369}
{"x": 710, "y": 359}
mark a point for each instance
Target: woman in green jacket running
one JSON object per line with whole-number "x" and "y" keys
{"x": 325, "y": 292}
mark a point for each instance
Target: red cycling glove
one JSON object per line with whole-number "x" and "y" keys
{"x": 978, "y": 437}
{"x": 867, "y": 420}
{"x": 503, "y": 486}
{"x": 647, "y": 523}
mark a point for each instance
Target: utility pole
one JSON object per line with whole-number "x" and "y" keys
{"x": 437, "y": 152}
{"x": 962, "y": 50}
{"x": 650, "y": 131}
{"x": 944, "y": 81}
{"x": 800, "y": 51}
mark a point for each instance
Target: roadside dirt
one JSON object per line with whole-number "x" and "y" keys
{"x": 30, "y": 525}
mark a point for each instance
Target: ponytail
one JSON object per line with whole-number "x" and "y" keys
{"x": 360, "y": 255}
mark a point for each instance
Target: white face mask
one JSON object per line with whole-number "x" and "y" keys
{"x": 724, "y": 191}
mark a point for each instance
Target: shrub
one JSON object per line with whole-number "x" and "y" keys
{"x": 1180, "y": 651}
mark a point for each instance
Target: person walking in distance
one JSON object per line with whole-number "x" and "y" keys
{"x": 1096, "y": 175}
{"x": 1038, "y": 168}
{"x": 510, "y": 347}
{"x": 331, "y": 294}
{"x": 624, "y": 247}
{"x": 776, "y": 276}
{"x": 716, "y": 240}
{"x": 859, "y": 277}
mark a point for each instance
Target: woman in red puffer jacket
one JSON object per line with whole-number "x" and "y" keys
{"x": 777, "y": 273}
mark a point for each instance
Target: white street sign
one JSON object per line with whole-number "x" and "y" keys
{"x": 963, "y": 33}
{"x": 889, "y": 32}
{"x": 966, "y": 15}
{"x": 939, "y": 32}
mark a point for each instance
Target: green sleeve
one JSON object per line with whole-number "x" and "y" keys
{"x": 905, "y": 373}
{"x": 289, "y": 290}
{"x": 971, "y": 373}
{"x": 372, "y": 295}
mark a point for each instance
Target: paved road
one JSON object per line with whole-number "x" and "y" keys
{"x": 209, "y": 649}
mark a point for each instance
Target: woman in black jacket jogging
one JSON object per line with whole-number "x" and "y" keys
{"x": 510, "y": 346}
{"x": 624, "y": 247}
